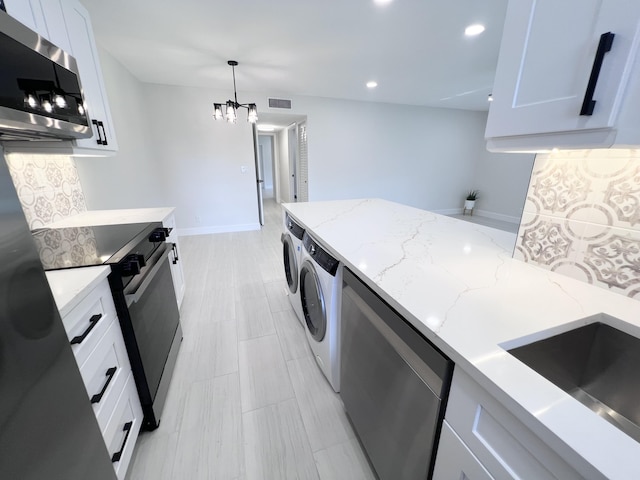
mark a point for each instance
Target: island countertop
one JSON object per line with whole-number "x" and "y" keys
{"x": 457, "y": 284}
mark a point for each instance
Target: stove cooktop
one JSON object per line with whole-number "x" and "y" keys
{"x": 72, "y": 247}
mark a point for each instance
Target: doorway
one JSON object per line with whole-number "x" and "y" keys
{"x": 281, "y": 160}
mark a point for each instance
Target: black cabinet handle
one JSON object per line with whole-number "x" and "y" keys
{"x": 127, "y": 428}
{"x": 174, "y": 247}
{"x": 97, "y": 124}
{"x": 98, "y": 396}
{"x": 92, "y": 323}
{"x": 588, "y": 104}
{"x": 104, "y": 133}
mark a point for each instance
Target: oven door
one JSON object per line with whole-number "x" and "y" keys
{"x": 155, "y": 321}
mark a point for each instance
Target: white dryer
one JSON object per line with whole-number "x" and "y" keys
{"x": 291, "y": 256}
{"x": 320, "y": 290}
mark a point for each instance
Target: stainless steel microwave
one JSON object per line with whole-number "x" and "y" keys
{"x": 40, "y": 92}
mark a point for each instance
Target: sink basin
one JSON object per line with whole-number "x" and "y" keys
{"x": 596, "y": 364}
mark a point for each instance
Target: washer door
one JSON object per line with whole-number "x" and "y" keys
{"x": 290, "y": 263}
{"x": 312, "y": 300}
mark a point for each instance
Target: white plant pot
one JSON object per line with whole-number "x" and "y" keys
{"x": 469, "y": 204}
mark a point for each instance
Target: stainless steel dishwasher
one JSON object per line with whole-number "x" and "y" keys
{"x": 394, "y": 384}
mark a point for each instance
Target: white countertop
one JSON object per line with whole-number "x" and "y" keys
{"x": 458, "y": 285}
{"x": 114, "y": 217}
{"x": 70, "y": 286}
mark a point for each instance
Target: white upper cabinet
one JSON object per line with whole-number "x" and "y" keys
{"x": 83, "y": 48}
{"x": 29, "y": 13}
{"x": 66, "y": 24}
{"x": 567, "y": 76}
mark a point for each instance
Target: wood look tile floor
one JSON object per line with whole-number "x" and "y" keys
{"x": 247, "y": 400}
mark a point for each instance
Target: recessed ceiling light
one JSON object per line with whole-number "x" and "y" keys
{"x": 472, "y": 30}
{"x": 266, "y": 128}
{"x": 382, "y": 2}
{"x": 372, "y": 84}
{"x": 490, "y": 98}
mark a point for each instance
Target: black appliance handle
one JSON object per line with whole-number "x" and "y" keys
{"x": 127, "y": 428}
{"x": 588, "y": 104}
{"x": 104, "y": 133}
{"x": 93, "y": 321}
{"x": 134, "y": 297}
{"x": 174, "y": 247}
{"x": 99, "y": 139}
{"x": 110, "y": 374}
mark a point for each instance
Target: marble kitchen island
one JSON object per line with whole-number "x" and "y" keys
{"x": 457, "y": 284}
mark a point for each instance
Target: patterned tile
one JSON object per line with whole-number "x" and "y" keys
{"x": 582, "y": 217}
{"x": 48, "y": 186}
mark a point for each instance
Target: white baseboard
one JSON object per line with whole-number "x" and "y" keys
{"x": 218, "y": 229}
{"x": 497, "y": 216}
{"x": 448, "y": 211}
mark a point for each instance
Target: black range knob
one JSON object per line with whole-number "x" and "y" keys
{"x": 159, "y": 234}
{"x": 132, "y": 264}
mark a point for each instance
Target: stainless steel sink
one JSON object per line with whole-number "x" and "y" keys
{"x": 596, "y": 364}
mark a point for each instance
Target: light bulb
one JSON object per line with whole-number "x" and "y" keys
{"x": 46, "y": 104}
{"x": 60, "y": 101}
{"x": 253, "y": 113}
{"x": 231, "y": 112}
{"x": 217, "y": 111}
{"x": 81, "y": 109}
{"x": 31, "y": 101}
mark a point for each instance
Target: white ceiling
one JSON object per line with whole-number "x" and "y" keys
{"x": 415, "y": 49}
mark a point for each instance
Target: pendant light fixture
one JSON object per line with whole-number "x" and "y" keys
{"x": 232, "y": 106}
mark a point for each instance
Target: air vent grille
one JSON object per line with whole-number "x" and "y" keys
{"x": 279, "y": 103}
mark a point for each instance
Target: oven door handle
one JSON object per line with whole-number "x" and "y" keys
{"x": 135, "y": 296}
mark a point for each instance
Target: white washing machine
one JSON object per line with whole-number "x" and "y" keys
{"x": 291, "y": 256}
{"x": 320, "y": 290}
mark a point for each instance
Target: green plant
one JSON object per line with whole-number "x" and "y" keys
{"x": 472, "y": 195}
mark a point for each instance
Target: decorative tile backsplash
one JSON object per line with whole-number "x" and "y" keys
{"x": 582, "y": 217}
{"x": 48, "y": 186}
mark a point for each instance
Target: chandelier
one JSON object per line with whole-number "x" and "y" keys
{"x": 232, "y": 106}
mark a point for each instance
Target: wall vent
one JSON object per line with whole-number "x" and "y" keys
{"x": 279, "y": 103}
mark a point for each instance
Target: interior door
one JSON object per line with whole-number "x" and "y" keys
{"x": 293, "y": 161}
{"x": 259, "y": 174}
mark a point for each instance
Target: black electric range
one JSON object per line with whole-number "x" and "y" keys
{"x": 142, "y": 289}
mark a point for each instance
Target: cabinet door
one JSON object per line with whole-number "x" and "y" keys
{"x": 546, "y": 58}
{"x": 455, "y": 460}
{"x": 56, "y": 27}
{"x": 83, "y": 48}
{"x": 29, "y": 13}
{"x": 175, "y": 257}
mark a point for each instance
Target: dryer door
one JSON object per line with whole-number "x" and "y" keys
{"x": 289, "y": 257}
{"x": 312, "y": 299}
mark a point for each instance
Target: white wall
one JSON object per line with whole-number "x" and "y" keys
{"x": 502, "y": 180}
{"x": 131, "y": 178}
{"x": 420, "y": 156}
{"x": 202, "y": 160}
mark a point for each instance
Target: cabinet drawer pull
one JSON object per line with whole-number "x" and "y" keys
{"x": 98, "y": 134}
{"x": 127, "y": 428}
{"x": 104, "y": 133}
{"x": 92, "y": 323}
{"x": 98, "y": 396}
{"x": 174, "y": 247}
{"x": 588, "y": 104}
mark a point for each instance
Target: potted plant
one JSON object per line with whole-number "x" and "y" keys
{"x": 470, "y": 202}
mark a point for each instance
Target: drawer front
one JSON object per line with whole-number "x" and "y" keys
{"x": 503, "y": 444}
{"x": 123, "y": 427}
{"x": 87, "y": 323}
{"x": 105, "y": 373}
{"x": 455, "y": 460}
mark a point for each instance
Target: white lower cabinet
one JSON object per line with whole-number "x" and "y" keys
{"x": 499, "y": 442}
{"x": 177, "y": 274}
{"x": 97, "y": 343}
{"x": 455, "y": 460}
